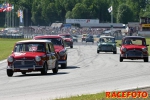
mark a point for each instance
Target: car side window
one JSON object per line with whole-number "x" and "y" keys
{"x": 47, "y": 48}
{"x": 51, "y": 47}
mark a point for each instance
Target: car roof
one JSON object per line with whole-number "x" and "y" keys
{"x": 48, "y": 36}
{"x": 107, "y": 36}
{"x": 28, "y": 41}
{"x": 133, "y": 37}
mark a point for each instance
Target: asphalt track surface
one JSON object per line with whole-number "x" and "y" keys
{"x": 87, "y": 72}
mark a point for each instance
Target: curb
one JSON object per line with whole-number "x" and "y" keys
{"x": 2, "y": 61}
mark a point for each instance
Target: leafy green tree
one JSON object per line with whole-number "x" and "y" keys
{"x": 125, "y": 14}
{"x": 68, "y": 15}
{"x": 80, "y": 11}
{"x": 36, "y": 12}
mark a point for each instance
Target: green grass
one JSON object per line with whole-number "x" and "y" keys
{"x": 6, "y": 47}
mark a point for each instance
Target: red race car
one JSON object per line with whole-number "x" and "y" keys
{"x": 68, "y": 39}
{"x": 134, "y": 47}
{"x": 59, "y": 46}
{"x": 32, "y": 55}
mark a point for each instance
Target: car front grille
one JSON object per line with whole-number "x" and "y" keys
{"x": 24, "y": 63}
{"x": 106, "y": 47}
{"x": 134, "y": 53}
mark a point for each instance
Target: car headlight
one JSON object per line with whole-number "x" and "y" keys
{"x": 10, "y": 59}
{"x": 144, "y": 49}
{"x": 62, "y": 52}
{"x": 124, "y": 49}
{"x": 37, "y": 58}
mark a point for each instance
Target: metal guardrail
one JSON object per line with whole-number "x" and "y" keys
{"x": 118, "y": 36}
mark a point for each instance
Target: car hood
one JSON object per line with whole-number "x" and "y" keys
{"x": 130, "y": 47}
{"x": 24, "y": 55}
{"x": 74, "y": 38}
{"x": 58, "y": 48}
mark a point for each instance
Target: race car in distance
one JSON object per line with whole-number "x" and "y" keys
{"x": 32, "y": 55}
{"x": 75, "y": 38}
{"x": 68, "y": 39}
{"x": 84, "y": 36}
{"x": 106, "y": 44}
{"x": 89, "y": 38}
{"x": 59, "y": 46}
{"x": 134, "y": 47}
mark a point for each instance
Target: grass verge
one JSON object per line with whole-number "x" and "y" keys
{"x": 6, "y": 47}
{"x": 102, "y": 96}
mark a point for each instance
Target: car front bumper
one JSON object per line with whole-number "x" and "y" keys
{"x": 25, "y": 68}
{"x": 135, "y": 54}
{"x": 62, "y": 61}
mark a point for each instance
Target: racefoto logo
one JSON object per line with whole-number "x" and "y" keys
{"x": 128, "y": 94}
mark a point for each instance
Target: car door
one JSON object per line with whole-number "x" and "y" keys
{"x": 53, "y": 55}
{"x": 49, "y": 58}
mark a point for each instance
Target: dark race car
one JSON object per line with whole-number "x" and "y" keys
{"x": 106, "y": 44}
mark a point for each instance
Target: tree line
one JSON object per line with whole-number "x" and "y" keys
{"x": 45, "y": 12}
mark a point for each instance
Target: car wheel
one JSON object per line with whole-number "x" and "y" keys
{"x": 24, "y": 73}
{"x": 97, "y": 51}
{"x": 121, "y": 59}
{"x": 64, "y": 65}
{"x": 44, "y": 70}
{"x": 10, "y": 72}
{"x": 146, "y": 59}
{"x": 71, "y": 46}
{"x": 55, "y": 70}
{"x": 114, "y": 52}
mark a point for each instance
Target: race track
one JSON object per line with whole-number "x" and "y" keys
{"x": 87, "y": 72}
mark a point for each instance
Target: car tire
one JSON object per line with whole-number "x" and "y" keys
{"x": 44, "y": 70}
{"x": 71, "y": 46}
{"x": 23, "y": 73}
{"x": 64, "y": 65}
{"x": 55, "y": 70}
{"x": 146, "y": 59}
{"x": 98, "y": 51}
{"x": 114, "y": 52}
{"x": 121, "y": 59}
{"x": 10, "y": 73}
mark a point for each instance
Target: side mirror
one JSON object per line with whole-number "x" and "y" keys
{"x": 147, "y": 45}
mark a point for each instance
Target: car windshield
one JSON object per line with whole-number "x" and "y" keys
{"x": 67, "y": 36}
{"x": 84, "y": 35}
{"x": 90, "y": 36}
{"x": 29, "y": 47}
{"x": 107, "y": 39}
{"x": 134, "y": 42}
{"x": 55, "y": 41}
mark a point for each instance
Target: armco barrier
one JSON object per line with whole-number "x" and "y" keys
{"x": 12, "y": 36}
